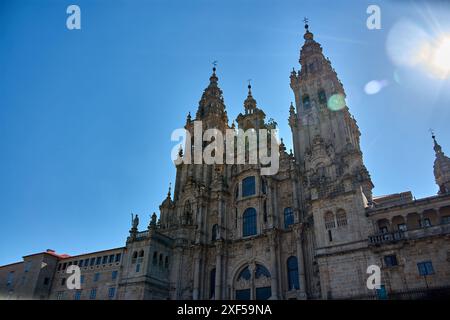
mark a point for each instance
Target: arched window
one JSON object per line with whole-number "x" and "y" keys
{"x": 155, "y": 258}
{"x": 261, "y": 271}
{"x": 248, "y": 186}
{"x": 341, "y": 217}
{"x": 306, "y": 102}
{"x": 212, "y": 283}
{"x": 245, "y": 274}
{"x": 141, "y": 253}
{"x": 322, "y": 96}
{"x": 214, "y": 232}
{"x": 292, "y": 266}
{"x": 288, "y": 217}
{"x": 249, "y": 222}
{"x": 134, "y": 257}
{"x": 329, "y": 220}
{"x": 160, "y": 259}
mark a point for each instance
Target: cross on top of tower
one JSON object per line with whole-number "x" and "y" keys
{"x": 306, "y": 21}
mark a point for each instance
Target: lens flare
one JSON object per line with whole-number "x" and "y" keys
{"x": 375, "y": 86}
{"x": 336, "y": 102}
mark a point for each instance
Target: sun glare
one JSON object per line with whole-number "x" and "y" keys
{"x": 440, "y": 58}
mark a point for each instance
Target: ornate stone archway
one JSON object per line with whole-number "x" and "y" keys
{"x": 252, "y": 282}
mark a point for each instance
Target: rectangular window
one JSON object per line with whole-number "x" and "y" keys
{"x": 248, "y": 186}
{"x": 390, "y": 260}
{"x": 64, "y": 266}
{"x": 105, "y": 260}
{"x": 138, "y": 267}
{"x": 63, "y": 281}
{"x": 92, "y": 262}
{"x": 118, "y": 257}
{"x": 96, "y": 277}
{"x": 111, "y": 258}
{"x": 111, "y": 292}
{"x": 82, "y": 279}
{"x": 10, "y": 278}
{"x": 80, "y": 264}
{"x": 60, "y": 295}
{"x": 93, "y": 293}
{"x": 114, "y": 275}
{"x": 445, "y": 220}
{"x": 99, "y": 261}
{"x": 401, "y": 227}
{"x": 46, "y": 281}
{"x": 75, "y": 263}
{"x": 77, "y": 295}
{"x": 86, "y": 262}
{"x": 425, "y": 268}
{"x": 59, "y": 266}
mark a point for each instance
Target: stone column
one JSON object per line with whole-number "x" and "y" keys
{"x": 298, "y": 232}
{"x": 195, "y": 292}
{"x": 218, "y": 289}
{"x": 273, "y": 239}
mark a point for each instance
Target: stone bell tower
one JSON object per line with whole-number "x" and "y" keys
{"x": 327, "y": 148}
{"x": 441, "y": 168}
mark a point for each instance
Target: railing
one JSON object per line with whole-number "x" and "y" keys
{"x": 142, "y": 234}
{"x": 434, "y": 293}
{"x": 424, "y": 232}
{"x": 387, "y": 237}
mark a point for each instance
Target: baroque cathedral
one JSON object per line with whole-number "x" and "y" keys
{"x": 310, "y": 231}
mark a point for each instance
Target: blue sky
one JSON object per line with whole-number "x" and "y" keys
{"x": 86, "y": 115}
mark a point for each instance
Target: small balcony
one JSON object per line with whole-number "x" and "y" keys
{"x": 424, "y": 232}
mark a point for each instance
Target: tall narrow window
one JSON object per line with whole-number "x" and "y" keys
{"x": 155, "y": 258}
{"x": 322, "y": 96}
{"x": 249, "y": 222}
{"x": 214, "y": 232}
{"x": 330, "y": 237}
{"x": 212, "y": 283}
{"x": 329, "y": 220}
{"x": 306, "y": 102}
{"x": 288, "y": 217}
{"x": 248, "y": 186}
{"x": 341, "y": 218}
{"x": 292, "y": 266}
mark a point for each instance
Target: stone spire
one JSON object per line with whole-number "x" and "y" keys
{"x": 250, "y": 102}
{"x": 211, "y": 109}
{"x": 321, "y": 123}
{"x": 253, "y": 116}
{"x": 441, "y": 168}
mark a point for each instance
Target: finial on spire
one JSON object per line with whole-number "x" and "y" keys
{"x": 170, "y": 190}
{"x": 214, "y": 63}
{"x": 306, "y": 21}
{"x": 249, "y": 86}
{"x": 437, "y": 148}
{"x": 308, "y": 35}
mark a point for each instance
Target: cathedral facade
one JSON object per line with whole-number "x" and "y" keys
{"x": 310, "y": 231}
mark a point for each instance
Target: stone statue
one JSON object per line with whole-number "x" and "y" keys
{"x": 134, "y": 221}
